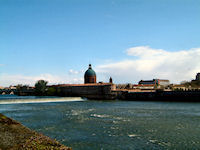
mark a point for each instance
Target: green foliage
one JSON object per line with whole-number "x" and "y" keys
{"x": 21, "y": 87}
{"x": 58, "y": 92}
{"x": 51, "y": 91}
{"x": 195, "y": 83}
{"x": 41, "y": 87}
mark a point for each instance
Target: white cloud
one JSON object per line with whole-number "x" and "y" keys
{"x": 7, "y": 80}
{"x": 75, "y": 72}
{"x": 71, "y": 71}
{"x": 143, "y": 63}
{"x": 148, "y": 63}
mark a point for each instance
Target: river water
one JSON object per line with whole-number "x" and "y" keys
{"x": 108, "y": 125}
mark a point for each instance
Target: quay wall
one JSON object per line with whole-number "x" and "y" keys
{"x": 90, "y": 91}
{"x": 170, "y": 96}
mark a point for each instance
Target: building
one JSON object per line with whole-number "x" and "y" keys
{"x": 179, "y": 87}
{"x": 198, "y": 77}
{"x": 163, "y": 82}
{"x": 90, "y": 89}
{"x": 110, "y": 80}
{"x": 90, "y": 75}
{"x": 146, "y": 82}
{"x": 144, "y": 86}
{"x": 156, "y": 82}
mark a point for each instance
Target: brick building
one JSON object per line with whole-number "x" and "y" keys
{"x": 156, "y": 82}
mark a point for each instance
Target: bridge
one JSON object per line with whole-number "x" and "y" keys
{"x": 8, "y": 91}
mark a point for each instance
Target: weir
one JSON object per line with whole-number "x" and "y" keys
{"x": 34, "y": 99}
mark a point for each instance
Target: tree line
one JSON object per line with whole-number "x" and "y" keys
{"x": 40, "y": 89}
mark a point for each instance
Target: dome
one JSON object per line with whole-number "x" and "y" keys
{"x": 90, "y": 75}
{"x": 90, "y": 71}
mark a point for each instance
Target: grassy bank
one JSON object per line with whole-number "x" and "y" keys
{"x": 15, "y": 136}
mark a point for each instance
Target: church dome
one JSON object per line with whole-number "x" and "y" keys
{"x": 90, "y": 71}
{"x": 90, "y": 75}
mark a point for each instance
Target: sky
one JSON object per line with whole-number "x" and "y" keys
{"x": 129, "y": 40}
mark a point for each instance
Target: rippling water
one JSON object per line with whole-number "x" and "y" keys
{"x": 109, "y": 125}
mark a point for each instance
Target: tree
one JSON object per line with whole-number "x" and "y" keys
{"x": 41, "y": 87}
{"x": 19, "y": 87}
{"x": 51, "y": 91}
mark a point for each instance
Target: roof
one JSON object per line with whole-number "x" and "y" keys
{"x": 147, "y": 81}
{"x": 132, "y": 90}
{"x": 90, "y": 71}
{"x": 90, "y": 84}
{"x": 143, "y": 85}
{"x": 178, "y": 85}
{"x": 163, "y": 80}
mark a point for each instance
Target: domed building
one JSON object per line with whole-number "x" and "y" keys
{"x": 90, "y": 75}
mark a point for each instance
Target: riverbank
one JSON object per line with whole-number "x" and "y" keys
{"x": 162, "y": 96}
{"x": 15, "y": 136}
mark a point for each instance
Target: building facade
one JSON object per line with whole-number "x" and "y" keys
{"x": 156, "y": 82}
{"x": 91, "y": 91}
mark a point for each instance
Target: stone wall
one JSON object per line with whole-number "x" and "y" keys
{"x": 90, "y": 91}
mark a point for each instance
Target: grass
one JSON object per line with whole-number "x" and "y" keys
{"x": 15, "y": 136}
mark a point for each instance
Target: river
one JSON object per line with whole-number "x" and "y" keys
{"x": 108, "y": 125}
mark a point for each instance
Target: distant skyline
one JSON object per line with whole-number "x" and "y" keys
{"x": 129, "y": 40}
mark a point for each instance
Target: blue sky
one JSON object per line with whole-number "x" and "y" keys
{"x": 56, "y": 39}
